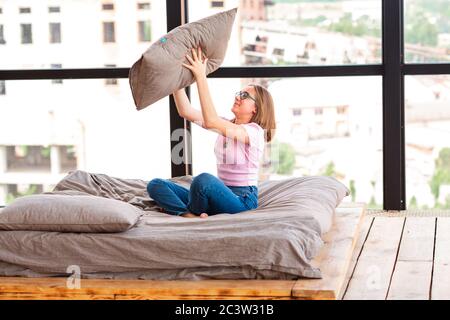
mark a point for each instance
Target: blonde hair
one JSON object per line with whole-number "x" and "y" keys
{"x": 265, "y": 112}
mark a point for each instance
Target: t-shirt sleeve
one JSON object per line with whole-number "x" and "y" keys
{"x": 255, "y": 135}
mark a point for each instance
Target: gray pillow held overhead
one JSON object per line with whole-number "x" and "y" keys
{"x": 159, "y": 71}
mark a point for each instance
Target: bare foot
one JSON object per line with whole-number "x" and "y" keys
{"x": 188, "y": 215}
{"x": 191, "y": 215}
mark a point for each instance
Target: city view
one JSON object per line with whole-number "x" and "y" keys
{"x": 325, "y": 125}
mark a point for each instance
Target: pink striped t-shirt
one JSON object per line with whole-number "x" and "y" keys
{"x": 238, "y": 162}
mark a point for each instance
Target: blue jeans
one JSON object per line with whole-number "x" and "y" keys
{"x": 207, "y": 193}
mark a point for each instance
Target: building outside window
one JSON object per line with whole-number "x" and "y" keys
{"x": 55, "y": 32}
{"x": 68, "y": 158}
{"x": 144, "y": 31}
{"x": 2, "y": 87}
{"x": 54, "y": 9}
{"x": 143, "y": 6}
{"x": 23, "y": 157}
{"x": 109, "y": 34}
{"x": 2, "y": 35}
{"x": 297, "y": 112}
{"x": 26, "y": 33}
{"x": 107, "y": 6}
{"x": 24, "y": 10}
{"x": 216, "y": 4}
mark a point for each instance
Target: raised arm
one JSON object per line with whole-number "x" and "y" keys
{"x": 185, "y": 110}
{"x": 210, "y": 119}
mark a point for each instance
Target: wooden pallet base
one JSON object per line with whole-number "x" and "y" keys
{"x": 333, "y": 260}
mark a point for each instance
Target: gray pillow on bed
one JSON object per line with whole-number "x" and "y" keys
{"x": 68, "y": 213}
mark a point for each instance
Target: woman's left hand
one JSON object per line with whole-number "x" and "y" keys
{"x": 197, "y": 66}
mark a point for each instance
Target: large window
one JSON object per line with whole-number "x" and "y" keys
{"x": 80, "y": 124}
{"x": 299, "y": 32}
{"x": 314, "y": 45}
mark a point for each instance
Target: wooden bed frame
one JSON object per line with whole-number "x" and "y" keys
{"x": 333, "y": 260}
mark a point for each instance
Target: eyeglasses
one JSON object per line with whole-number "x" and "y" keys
{"x": 244, "y": 95}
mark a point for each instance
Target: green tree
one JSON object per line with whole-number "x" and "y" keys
{"x": 286, "y": 158}
{"x": 363, "y": 26}
{"x": 45, "y": 152}
{"x": 441, "y": 173}
{"x": 353, "y": 190}
{"x": 413, "y": 203}
{"x": 329, "y": 170}
{"x": 31, "y": 190}
{"x": 419, "y": 30}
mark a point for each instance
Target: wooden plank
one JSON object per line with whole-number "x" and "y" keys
{"x": 197, "y": 297}
{"x": 411, "y": 281}
{"x": 412, "y": 274}
{"x": 373, "y": 271}
{"x": 440, "y": 288}
{"x": 60, "y": 296}
{"x": 442, "y": 248}
{"x": 334, "y": 258}
{"x": 417, "y": 242}
{"x": 363, "y": 233}
{"x": 254, "y": 288}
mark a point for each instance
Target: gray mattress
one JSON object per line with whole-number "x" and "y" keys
{"x": 275, "y": 241}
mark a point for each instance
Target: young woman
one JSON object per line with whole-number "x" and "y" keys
{"x": 239, "y": 147}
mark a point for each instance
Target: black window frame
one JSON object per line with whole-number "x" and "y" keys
{"x": 392, "y": 69}
{"x": 56, "y": 66}
{"x": 110, "y": 81}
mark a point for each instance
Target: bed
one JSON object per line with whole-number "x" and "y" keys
{"x": 276, "y": 241}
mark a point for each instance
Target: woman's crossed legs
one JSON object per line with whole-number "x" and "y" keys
{"x": 207, "y": 195}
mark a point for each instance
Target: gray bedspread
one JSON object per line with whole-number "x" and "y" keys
{"x": 275, "y": 241}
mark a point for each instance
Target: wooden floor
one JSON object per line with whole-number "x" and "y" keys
{"x": 401, "y": 257}
{"x": 334, "y": 261}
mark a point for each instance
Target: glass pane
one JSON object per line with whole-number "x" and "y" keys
{"x": 299, "y": 32}
{"x": 325, "y": 126}
{"x": 427, "y": 31}
{"x": 427, "y": 117}
{"x": 76, "y": 34}
{"x": 79, "y": 124}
